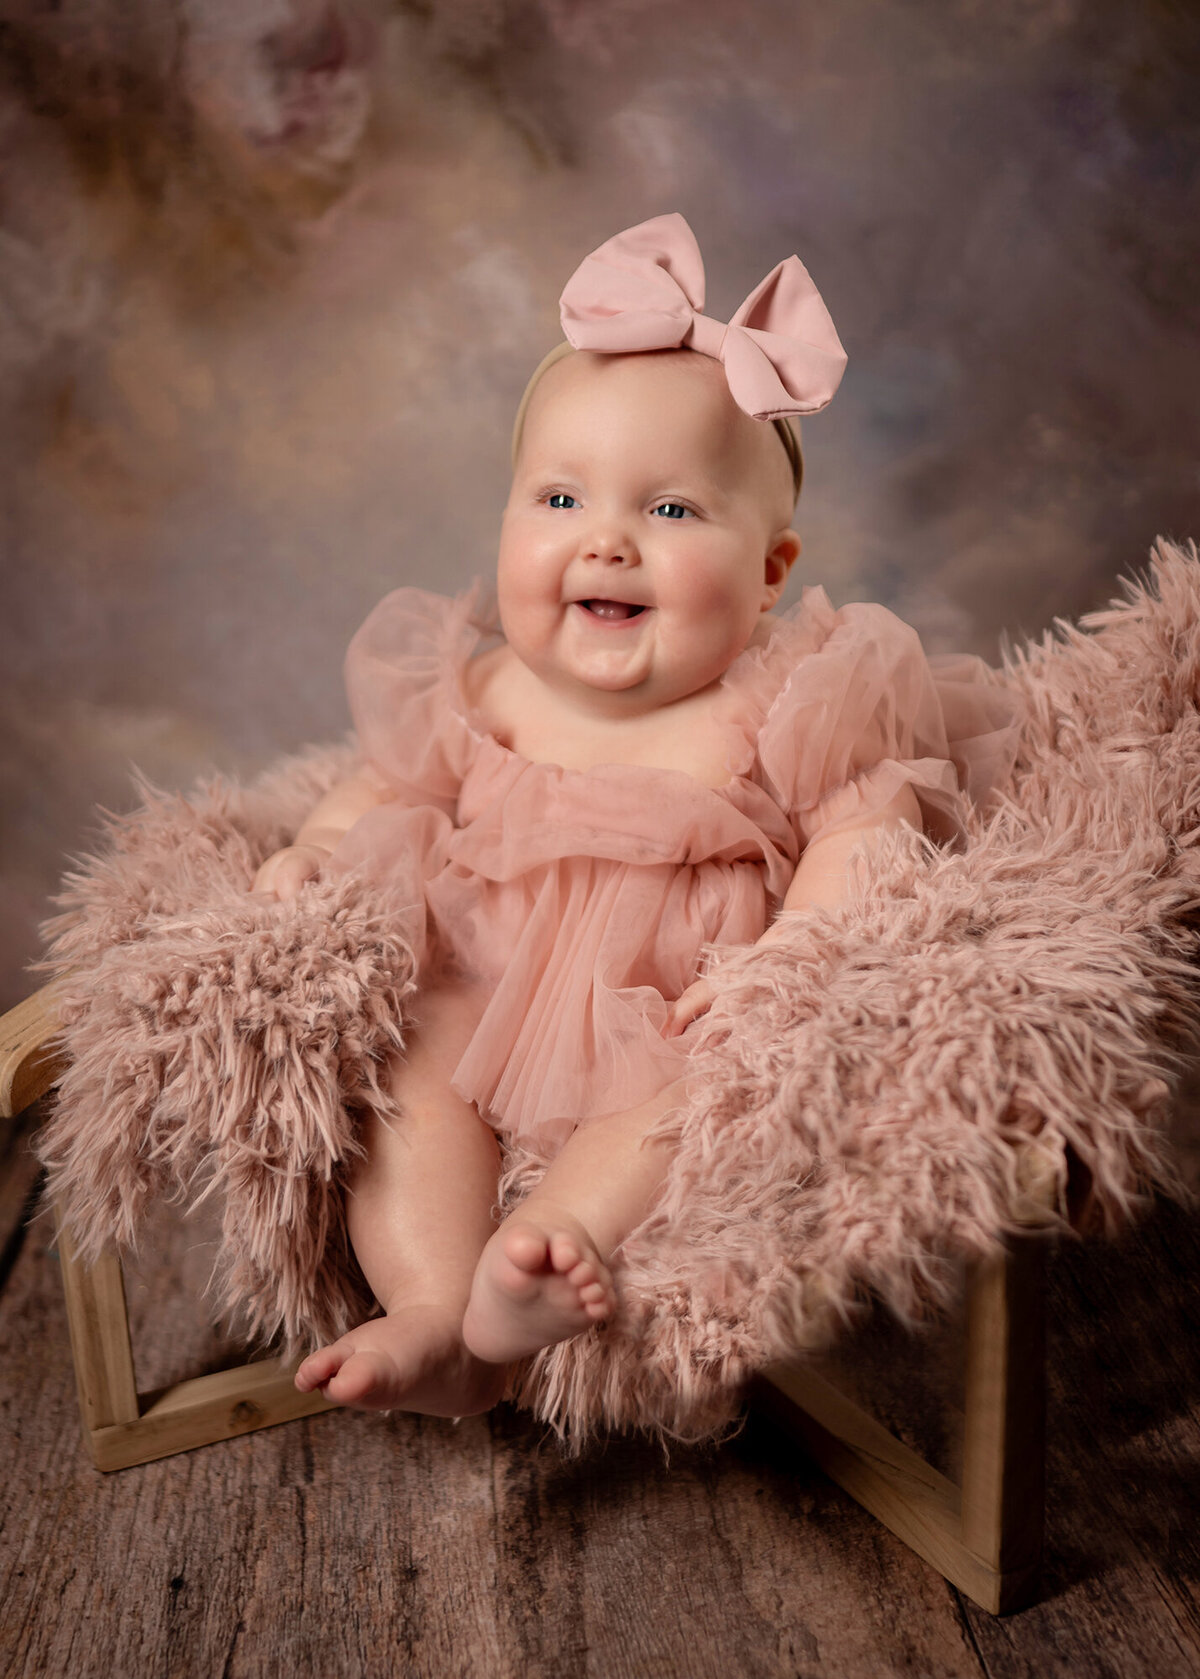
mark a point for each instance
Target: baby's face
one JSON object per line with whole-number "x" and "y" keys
{"x": 646, "y": 532}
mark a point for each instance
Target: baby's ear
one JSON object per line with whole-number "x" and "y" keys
{"x": 782, "y": 552}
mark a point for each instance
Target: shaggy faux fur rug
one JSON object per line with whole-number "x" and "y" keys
{"x": 876, "y": 1091}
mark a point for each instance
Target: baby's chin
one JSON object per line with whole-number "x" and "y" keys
{"x": 632, "y": 689}
{"x": 633, "y": 681}
{"x": 622, "y": 667}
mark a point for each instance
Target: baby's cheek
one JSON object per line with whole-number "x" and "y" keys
{"x": 526, "y": 561}
{"x": 528, "y": 602}
{"x": 723, "y": 610}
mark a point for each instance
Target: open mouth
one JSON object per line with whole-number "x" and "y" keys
{"x": 611, "y": 611}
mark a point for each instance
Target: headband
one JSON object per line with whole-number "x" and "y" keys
{"x": 644, "y": 290}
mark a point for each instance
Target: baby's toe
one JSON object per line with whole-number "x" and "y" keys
{"x": 590, "y": 1271}
{"x": 593, "y": 1291}
{"x": 564, "y": 1253}
{"x": 525, "y": 1248}
{"x": 318, "y": 1367}
{"x": 359, "y": 1376}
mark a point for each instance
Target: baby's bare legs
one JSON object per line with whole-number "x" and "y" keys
{"x": 543, "y": 1276}
{"x": 419, "y": 1213}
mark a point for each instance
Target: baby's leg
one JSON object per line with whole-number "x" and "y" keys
{"x": 419, "y": 1213}
{"x": 544, "y": 1276}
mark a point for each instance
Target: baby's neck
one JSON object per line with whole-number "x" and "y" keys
{"x": 539, "y": 723}
{"x": 549, "y": 727}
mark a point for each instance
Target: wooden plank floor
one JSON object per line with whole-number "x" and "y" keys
{"x": 353, "y": 1545}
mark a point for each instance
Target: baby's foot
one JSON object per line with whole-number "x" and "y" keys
{"x": 412, "y": 1360}
{"x": 539, "y": 1280}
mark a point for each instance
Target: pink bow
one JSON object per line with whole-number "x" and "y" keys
{"x": 644, "y": 290}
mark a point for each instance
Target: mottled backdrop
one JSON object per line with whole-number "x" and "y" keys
{"x": 273, "y": 273}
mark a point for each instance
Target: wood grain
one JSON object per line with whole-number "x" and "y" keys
{"x": 348, "y": 1544}
{"x": 1004, "y": 1439}
{"x": 95, "y": 1300}
{"x": 29, "y": 1059}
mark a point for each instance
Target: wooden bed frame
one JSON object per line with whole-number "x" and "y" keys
{"x": 984, "y": 1536}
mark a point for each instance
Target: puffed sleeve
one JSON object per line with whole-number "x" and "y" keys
{"x": 865, "y": 712}
{"x": 403, "y": 676}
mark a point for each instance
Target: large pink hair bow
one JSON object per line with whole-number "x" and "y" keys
{"x": 644, "y": 290}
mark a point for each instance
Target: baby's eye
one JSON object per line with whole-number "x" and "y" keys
{"x": 561, "y": 499}
{"x": 673, "y": 510}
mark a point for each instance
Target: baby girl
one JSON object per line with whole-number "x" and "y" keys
{"x": 641, "y": 763}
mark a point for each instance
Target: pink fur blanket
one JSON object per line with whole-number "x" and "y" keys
{"x": 875, "y": 1089}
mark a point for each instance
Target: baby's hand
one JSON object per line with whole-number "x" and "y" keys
{"x": 284, "y": 873}
{"x": 688, "y": 1006}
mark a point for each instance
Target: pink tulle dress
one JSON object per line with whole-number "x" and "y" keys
{"x": 583, "y": 900}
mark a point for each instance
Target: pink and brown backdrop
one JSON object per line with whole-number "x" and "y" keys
{"x": 273, "y": 274}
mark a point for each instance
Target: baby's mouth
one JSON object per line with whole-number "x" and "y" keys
{"x": 611, "y": 610}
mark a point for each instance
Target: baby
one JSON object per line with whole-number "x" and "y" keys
{"x": 649, "y": 763}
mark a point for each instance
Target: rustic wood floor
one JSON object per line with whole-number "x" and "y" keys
{"x": 348, "y": 1545}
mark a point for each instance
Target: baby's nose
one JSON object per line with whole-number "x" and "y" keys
{"x": 611, "y": 545}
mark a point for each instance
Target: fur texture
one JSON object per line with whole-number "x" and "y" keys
{"x": 875, "y": 1093}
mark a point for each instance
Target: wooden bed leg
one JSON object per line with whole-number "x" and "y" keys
{"x": 123, "y": 1427}
{"x": 984, "y": 1534}
{"x": 99, "y": 1325}
{"x": 1004, "y": 1437}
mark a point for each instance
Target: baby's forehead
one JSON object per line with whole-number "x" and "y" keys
{"x": 680, "y": 396}
{"x": 697, "y": 383}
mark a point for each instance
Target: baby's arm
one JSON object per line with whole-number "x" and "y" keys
{"x": 825, "y": 873}
{"x": 284, "y": 873}
{"x": 822, "y": 880}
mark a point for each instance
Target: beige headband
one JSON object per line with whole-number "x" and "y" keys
{"x": 787, "y": 432}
